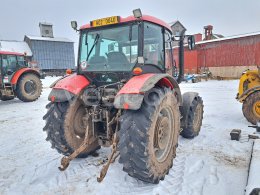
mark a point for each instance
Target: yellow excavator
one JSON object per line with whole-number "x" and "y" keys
{"x": 249, "y": 95}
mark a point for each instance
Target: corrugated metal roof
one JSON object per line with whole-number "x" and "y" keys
{"x": 56, "y": 39}
{"x": 15, "y": 46}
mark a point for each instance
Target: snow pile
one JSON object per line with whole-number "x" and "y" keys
{"x": 209, "y": 164}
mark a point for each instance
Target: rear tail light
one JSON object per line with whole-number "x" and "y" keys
{"x": 68, "y": 71}
{"x": 53, "y": 98}
{"x": 137, "y": 71}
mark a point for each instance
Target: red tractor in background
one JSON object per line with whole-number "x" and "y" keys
{"x": 124, "y": 95}
{"x": 17, "y": 79}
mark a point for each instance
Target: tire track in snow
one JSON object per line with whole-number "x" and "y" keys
{"x": 172, "y": 184}
{"x": 49, "y": 176}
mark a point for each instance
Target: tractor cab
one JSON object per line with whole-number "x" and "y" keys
{"x": 10, "y": 62}
{"x": 124, "y": 95}
{"x": 116, "y": 48}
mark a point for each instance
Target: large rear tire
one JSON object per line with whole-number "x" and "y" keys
{"x": 29, "y": 88}
{"x": 192, "y": 115}
{"x": 149, "y": 136}
{"x": 251, "y": 108}
{"x": 65, "y": 128}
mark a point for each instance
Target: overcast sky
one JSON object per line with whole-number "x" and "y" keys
{"x": 229, "y": 17}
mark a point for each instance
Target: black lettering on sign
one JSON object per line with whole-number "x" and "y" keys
{"x": 99, "y": 22}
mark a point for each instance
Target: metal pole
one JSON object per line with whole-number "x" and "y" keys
{"x": 181, "y": 59}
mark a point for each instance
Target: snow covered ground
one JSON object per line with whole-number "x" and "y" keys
{"x": 209, "y": 164}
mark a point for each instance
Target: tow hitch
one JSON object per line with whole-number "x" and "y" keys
{"x": 65, "y": 161}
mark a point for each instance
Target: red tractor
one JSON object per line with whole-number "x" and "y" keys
{"x": 124, "y": 95}
{"x": 17, "y": 79}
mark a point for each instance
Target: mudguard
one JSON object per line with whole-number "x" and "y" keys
{"x": 248, "y": 84}
{"x": 22, "y": 71}
{"x": 66, "y": 88}
{"x": 246, "y": 93}
{"x": 132, "y": 94}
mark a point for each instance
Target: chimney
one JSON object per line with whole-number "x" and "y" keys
{"x": 208, "y": 32}
{"x": 198, "y": 37}
{"x": 46, "y": 29}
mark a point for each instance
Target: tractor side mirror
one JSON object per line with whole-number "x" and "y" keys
{"x": 191, "y": 42}
{"x": 74, "y": 25}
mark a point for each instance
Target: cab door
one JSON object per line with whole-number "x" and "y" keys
{"x": 21, "y": 62}
{"x": 9, "y": 67}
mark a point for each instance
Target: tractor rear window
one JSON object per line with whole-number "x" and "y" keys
{"x": 113, "y": 49}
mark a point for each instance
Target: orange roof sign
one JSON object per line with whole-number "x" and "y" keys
{"x": 105, "y": 21}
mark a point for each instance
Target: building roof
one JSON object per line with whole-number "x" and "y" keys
{"x": 45, "y": 23}
{"x": 230, "y": 37}
{"x": 132, "y": 18}
{"x": 218, "y": 36}
{"x": 177, "y": 28}
{"x": 175, "y": 22}
{"x": 225, "y": 38}
{"x": 15, "y": 47}
{"x": 56, "y": 39}
{"x": 214, "y": 36}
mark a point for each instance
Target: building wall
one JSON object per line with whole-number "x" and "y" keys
{"x": 230, "y": 71}
{"x": 190, "y": 60}
{"x": 227, "y": 58}
{"x": 235, "y": 52}
{"x": 53, "y": 55}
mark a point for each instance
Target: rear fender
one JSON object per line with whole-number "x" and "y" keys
{"x": 249, "y": 83}
{"x": 248, "y": 92}
{"x": 66, "y": 88}
{"x": 17, "y": 75}
{"x": 132, "y": 94}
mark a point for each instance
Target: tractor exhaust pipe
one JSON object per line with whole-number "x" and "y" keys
{"x": 191, "y": 46}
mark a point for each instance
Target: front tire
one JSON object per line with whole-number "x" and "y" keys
{"x": 251, "y": 108}
{"x": 192, "y": 115}
{"x": 29, "y": 88}
{"x": 149, "y": 136}
{"x": 65, "y": 128}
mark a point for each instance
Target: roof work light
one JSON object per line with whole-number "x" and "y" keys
{"x": 137, "y": 13}
{"x": 74, "y": 25}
